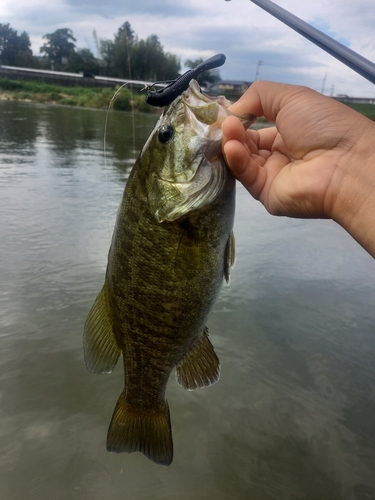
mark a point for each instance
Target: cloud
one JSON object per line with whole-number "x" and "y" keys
{"x": 323, "y": 26}
{"x": 201, "y": 28}
{"x": 114, "y": 8}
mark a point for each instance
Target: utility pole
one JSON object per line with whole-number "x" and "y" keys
{"x": 97, "y": 43}
{"x": 257, "y": 71}
{"x": 324, "y": 82}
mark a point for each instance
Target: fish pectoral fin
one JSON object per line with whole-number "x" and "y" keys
{"x": 200, "y": 367}
{"x": 230, "y": 256}
{"x": 147, "y": 430}
{"x": 99, "y": 344}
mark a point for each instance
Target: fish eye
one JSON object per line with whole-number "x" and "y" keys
{"x": 166, "y": 133}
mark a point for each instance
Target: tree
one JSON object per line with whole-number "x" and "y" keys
{"x": 122, "y": 52}
{"x": 106, "y": 54}
{"x": 130, "y": 58}
{"x": 59, "y": 46}
{"x": 150, "y": 62}
{"x": 14, "y": 49}
{"x": 83, "y": 60}
{"x": 125, "y": 32}
{"x": 207, "y": 77}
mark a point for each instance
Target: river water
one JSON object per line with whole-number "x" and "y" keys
{"x": 293, "y": 416}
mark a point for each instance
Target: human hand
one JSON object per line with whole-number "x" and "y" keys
{"x": 317, "y": 162}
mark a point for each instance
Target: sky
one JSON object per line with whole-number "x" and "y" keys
{"x": 250, "y": 38}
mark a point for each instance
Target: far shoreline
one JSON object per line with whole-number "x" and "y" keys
{"x": 39, "y": 91}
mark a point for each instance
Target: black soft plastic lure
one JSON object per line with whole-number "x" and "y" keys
{"x": 165, "y": 96}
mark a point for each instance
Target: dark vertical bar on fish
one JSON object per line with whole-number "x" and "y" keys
{"x": 356, "y": 62}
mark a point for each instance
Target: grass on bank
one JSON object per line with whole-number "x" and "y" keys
{"x": 363, "y": 108}
{"x": 92, "y": 97}
{"x": 88, "y": 97}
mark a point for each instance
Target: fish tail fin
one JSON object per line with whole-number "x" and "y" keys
{"x": 138, "y": 429}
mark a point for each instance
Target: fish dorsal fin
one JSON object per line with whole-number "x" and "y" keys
{"x": 99, "y": 343}
{"x": 200, "y": 367}
{"x": 230, "y": 256}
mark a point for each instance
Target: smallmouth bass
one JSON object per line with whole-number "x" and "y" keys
{"x": 171, "y": 248}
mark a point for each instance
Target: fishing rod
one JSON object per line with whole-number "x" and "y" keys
{"x": 356, "y": 62}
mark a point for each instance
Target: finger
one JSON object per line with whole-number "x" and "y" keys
{"x": 267, "y": 137}
{"x": 246, "y": 167}
{"x": 267, "y": 99}
{"x": 233, "y": 130}
{"x": 264, "y": 153}
{"x": 252, "y": 141}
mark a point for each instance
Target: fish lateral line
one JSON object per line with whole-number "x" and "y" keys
{"x": 145, "y": 269}
{"x": 168, "y": 94}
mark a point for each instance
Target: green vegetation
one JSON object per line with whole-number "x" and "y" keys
{"x": 363, "y": 108}
{"x": 40, "y": 91}
{"x": 59, "y": 46}
{"x": 126, "y": 56}
{"x": 14, "y": 49}
{"x": 129, "y": 57}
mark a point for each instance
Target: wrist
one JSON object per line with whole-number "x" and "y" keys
{"x": 354, "y": 207}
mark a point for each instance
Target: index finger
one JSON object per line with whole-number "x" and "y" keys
{"x": 266, "y": 99}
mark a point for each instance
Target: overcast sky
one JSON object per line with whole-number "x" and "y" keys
{"x": 201, "y": 28}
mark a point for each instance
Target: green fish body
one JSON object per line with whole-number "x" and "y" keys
{"x": 171, "y": 248}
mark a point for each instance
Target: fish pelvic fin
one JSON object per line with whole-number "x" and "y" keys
{"x": 147, "y": 430}
{"x": 99, "y": 344}
{"x": 200, "y": 367}
{"x": 230, "y": 256}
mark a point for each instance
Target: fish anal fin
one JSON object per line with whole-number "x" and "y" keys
{"x": 147, "y": 430}
{"x": 230, "y": 256}
{"x": 200, "y": 367}
{"x": 99, "y": 344}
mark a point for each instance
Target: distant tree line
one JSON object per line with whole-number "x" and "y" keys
{"x": 126, "y": 56}
{"x": 15, "y": 49}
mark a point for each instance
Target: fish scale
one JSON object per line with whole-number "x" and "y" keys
{"x": 171, "y": 248}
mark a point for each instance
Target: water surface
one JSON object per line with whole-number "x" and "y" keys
{"x": 293, "y": 416}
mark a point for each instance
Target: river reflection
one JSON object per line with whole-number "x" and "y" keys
{"x": 293, "y": 416}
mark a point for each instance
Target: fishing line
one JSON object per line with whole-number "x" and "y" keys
{"x": 265, "y": 39}
{"x": 106, "y": 121}
{"x": 131, "y": 93}
{"x": 334, "y": 48}
{"x": 115, "y": 95}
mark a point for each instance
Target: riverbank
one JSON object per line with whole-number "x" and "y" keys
{"x": 363, "y": 108}
{"x": 88, "y": 97}
{"x": 42, "y": 92}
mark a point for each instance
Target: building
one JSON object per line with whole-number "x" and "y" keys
{"x": 233, "y": 87}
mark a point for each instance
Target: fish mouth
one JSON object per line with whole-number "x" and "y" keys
{"x": 247, "y": 119}
{"x": 200, "y": 191}
{"x": 195, "y": 176}
{"x": 204, "y": 101}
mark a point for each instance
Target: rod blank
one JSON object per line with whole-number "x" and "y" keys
{"x": 356, "y": 62}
